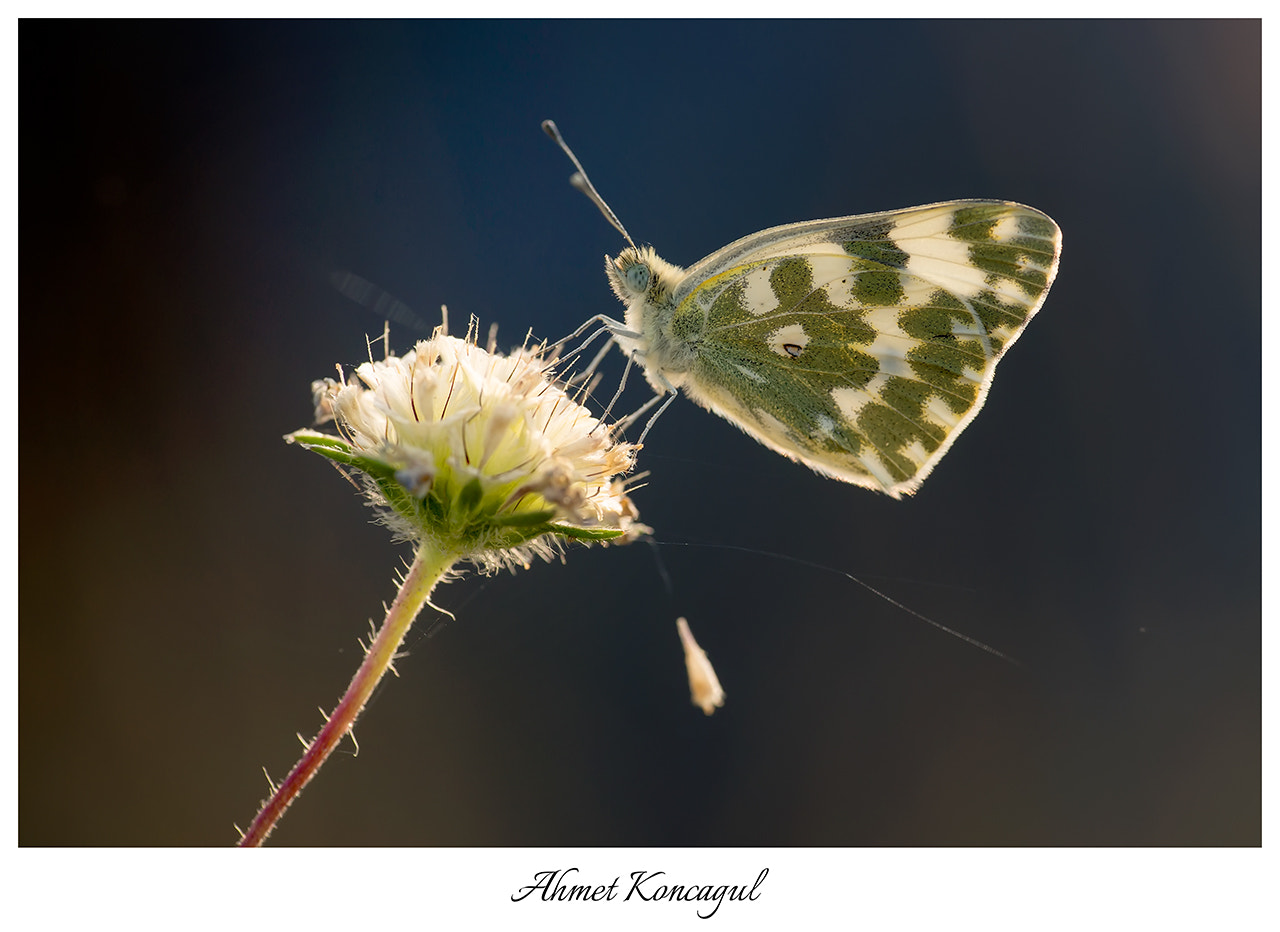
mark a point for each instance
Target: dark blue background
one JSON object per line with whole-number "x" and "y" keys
{"x": 192, "y": 588}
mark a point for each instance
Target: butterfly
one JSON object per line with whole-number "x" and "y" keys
{"x": 860, "y": 346}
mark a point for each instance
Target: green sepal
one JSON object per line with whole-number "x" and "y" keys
{"x": 340, "y": 452}
{"x": 397, "y": 496}
{"x": 470, "y": 497}
{"x": 585, "y": 533}
{"x": 514, "y": 536}
{"x": 461, "y": 511}
{"x": 332, "y": 447}
{"x": 382, "y": 473}
{"x": 522, "y": 519}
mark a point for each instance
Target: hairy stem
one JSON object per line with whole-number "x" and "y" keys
{"x": 428, "y": 567}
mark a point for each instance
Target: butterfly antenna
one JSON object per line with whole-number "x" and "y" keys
{"x": 583, "y": 183}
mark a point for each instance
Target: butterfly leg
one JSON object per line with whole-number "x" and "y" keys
{"x": 604, "y": 321}
{"x": 622, "y": 383}
{"x": 657, "y": 414}
{"x": 639, "y": 412}
{"x": 585, "y": 376}
{"x": 669, "y": 393}
{"x": 607, "y": 325}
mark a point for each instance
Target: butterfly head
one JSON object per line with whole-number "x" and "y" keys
{"x": 638, "y": 274}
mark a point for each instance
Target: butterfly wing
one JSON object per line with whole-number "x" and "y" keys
{"x": 863, "y": 346}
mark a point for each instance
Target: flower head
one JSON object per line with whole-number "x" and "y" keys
{"x": 482, "y": 454}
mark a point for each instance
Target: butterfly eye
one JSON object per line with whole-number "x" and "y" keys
{"x": 637, "y": 277}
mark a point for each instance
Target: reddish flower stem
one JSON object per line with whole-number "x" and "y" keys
{"x": 427, "y": 569}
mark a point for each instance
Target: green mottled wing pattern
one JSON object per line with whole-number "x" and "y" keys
{"x": 863, "y": 346}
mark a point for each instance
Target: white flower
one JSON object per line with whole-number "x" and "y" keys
{"x": 478, "y": 452}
